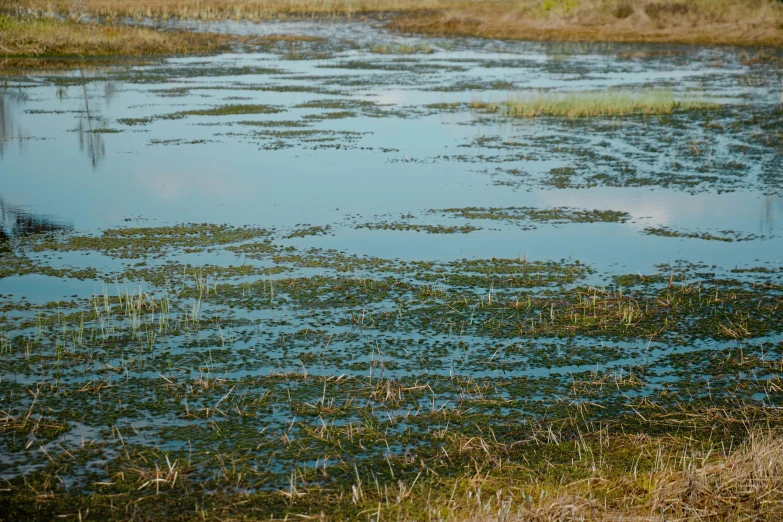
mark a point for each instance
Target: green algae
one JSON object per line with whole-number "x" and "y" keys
{"x": 559, "y": 215}
{"x": 495, "y": 85}
{"x": 266, "y": 123}
{"x": 343, "y": 104}
{"x": 139, "y": 242}
{"x": 224, "y": 110}
{"x": 16, "y": 265}
{"x": 335, "y": 115}
{"x": 726, "y": 235}
{"x": 415, "y": 227}
{"x": 309, "y": 231}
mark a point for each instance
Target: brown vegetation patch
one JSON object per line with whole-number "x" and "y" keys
{"x": 736, "y": 22}
{"x": 47, "y": 37}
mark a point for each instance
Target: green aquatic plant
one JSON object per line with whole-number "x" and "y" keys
{"x": 224, "y": 110}
{"x": 416, "y": 227}
{"x": 557, "y": 215}
{"x": 179, "y": 383}
{"x": 727, "y": 236}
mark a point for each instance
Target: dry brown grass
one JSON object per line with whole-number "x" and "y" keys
{"x": 707, "y": 484}
{"x": 742, "y": 22}
{"x": 736, "y": 22}
{"x": 239, "y": 9}
{"x": 46, "y": 37}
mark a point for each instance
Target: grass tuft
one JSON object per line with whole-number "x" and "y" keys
{"x": 588, "y": 104}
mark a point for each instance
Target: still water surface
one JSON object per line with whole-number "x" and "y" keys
{"x": 69, "y": 154}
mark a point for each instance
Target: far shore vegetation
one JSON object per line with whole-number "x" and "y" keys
{"x": 50, "y": 38}
{"x": 732, "y": 22}
{"x": 43, "y": 37}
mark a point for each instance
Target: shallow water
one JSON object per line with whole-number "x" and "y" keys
{"x": 353, "y": 141}
{"x": 211, "y": 169}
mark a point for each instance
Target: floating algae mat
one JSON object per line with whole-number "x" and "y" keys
{"x": 316, "y": 277}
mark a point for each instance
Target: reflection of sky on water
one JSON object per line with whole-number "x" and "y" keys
{"x": 71, "y": 164}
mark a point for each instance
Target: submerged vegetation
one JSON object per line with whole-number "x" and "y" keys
{"x": 320, "y": 384}
{"x": 727, "y": 236}
{"x": 418, "y": 227}
{"x": 558, "y": 215}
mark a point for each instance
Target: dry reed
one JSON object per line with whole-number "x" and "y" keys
{"x": 742, "y": 22}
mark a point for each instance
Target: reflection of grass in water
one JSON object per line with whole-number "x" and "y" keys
{"x": 587, "y": 104}
{"x": 309, "y": 231}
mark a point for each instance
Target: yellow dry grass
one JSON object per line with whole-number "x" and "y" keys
{"x": 735, "y": 22}
{"x": 741, "y": 22}
{"x": 705, "y": 485}
{"x": 47, "y": 37}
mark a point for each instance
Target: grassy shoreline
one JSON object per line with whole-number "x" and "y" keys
{"x": 704, "y": 22}
{"x": 699, "y": 22}
{"x": 31, "y": 41}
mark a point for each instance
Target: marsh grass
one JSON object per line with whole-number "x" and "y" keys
{"x": 588, "y": 104}
{"x": 394, "y": 444}
{"x": 559, "y": 470}
{"x": 45, "y": 37}
{"x": 732, "y": 22}
{"x": 668, "y": 481}
{"x": 744, "y": 22}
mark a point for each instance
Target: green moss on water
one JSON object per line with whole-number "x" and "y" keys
{"x": 336, "y": 115}
{"x": 224, "y": 110}
{"x": 340, "y": 104}
{"x": 560, "y": 215}
{"x": 309, "y": 231}
{"x": 727, "y": 236}
{"x": 415, "y": 227}
{"x": 137, "y": 242}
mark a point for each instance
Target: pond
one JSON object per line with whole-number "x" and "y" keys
{"x": 335, "y": 231}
